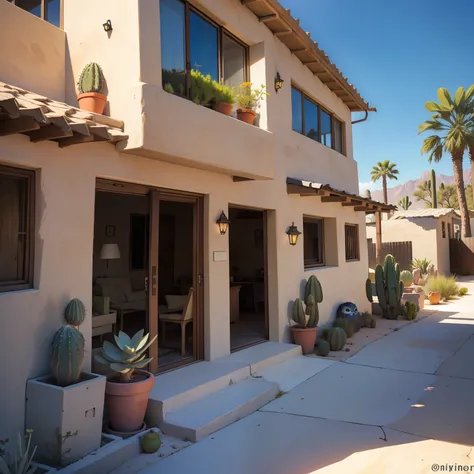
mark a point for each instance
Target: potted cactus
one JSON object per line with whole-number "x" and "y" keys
{"x": 305, "y": 329}
{"x": 91, "y": 86}
{"x": 64, "y": 409}
{"x": 126, "y": 392}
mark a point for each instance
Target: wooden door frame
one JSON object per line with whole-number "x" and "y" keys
{"x": 156, "y": 195}
{"x": 265, "y": 266}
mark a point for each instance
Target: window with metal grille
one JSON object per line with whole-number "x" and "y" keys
{"x": 352, "y": 242}
{"x": 16, "y": 228}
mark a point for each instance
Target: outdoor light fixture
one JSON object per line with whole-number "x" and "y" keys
{"x": 293, "y": 234}
{"x": 223, "y": 223}
{"x": 278, "y": 82}
{"x": 107, "y": 26}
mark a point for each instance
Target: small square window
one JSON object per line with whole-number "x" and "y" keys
{"x": 352, "y": 242}
{"x": 313, "y": 236}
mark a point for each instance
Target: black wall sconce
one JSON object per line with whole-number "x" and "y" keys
{"x": 107, "y": 26}
{"x": 223, "y": 223}
{"x": 278, "y": 82}
{"x": 293, "y": 234}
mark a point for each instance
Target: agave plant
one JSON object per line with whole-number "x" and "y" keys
{"x": 420, "y": 264}
{"x": 127, "y": 356}
{"x": 21, "y": 463}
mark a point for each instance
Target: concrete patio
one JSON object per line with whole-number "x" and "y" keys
{"x": 402, "y": 404}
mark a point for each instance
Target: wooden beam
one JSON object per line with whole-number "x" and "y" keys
{"x": 313, "y": 61}
{"x": 279, "y": 34}
{"x": 265, "y": 18}
{"x": 247, "y": 2}
{"x": 75, "y": 140}
{"x": 378, "y": 237}
{"x": 49, "y": 132}
{"x": 351, "y": 203}
{"x": 19, "y": 125}
{"x": 301, "y": 50}
{"x": 333, "y": 199}
{"x": 361, "y": 208}
{"x": 9, "y": 104}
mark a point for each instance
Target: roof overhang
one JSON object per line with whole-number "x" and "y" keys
{"x": 330, "y": 195}
{"x": 288, "y": 30}
{"x": 43, "y": 119}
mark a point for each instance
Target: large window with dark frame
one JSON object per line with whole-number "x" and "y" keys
{"x": 190, "y": 40}
{"x": 313, "y": 236}
{"x": 49, "y": 10}
{"x": 311, "y": 120}
{"x": 352, "y": 242}
{"x": 16, "y": 228}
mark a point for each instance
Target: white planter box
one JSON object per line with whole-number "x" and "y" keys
{"x": 52, "y": 412}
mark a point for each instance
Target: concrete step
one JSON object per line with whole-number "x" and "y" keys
{"x": 197, "y": 420}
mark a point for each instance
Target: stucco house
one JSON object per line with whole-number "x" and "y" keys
{"x": 429, "y": 230}
{"x": 121, "y": 209}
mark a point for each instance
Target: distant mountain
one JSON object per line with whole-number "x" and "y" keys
{"x": 407, "y": 189}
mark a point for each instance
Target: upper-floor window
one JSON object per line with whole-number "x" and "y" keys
{"x": 313, "y": 121}
{"x": 49, "y": 10}
{"x": 16, "y": 228}
{"x": 190, "y": 40}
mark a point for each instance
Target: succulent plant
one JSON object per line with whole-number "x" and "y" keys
{"x": 411, "y": 310}
{"x": 368, "y": 290}
{"x": 313, "y": 294}
{"x": 91, "y": 79}
{"x": 130, "y": 354}
{"x": 406, "y": 277}
{"x": 75, "y": 312}
{"x": 22, "y": 459}
{"x": 336, "y": 338}
{"x": 405, "y": 203}
{"x": 389, "y": 287}
{"x": 150, "y": 442}
{"x": 367, "y": 320}
{"x": 67, "y": 355}
{"x": 345, "y": 324}
{"x": 322, "y": 348}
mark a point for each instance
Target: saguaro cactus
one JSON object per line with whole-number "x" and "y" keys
{"x": 389, "y": 287}
{"x": 68, "y": 346}
{"x": 91, "y": 79}
{"x": 433, "y": 189}
{"x": 405, "y": 203}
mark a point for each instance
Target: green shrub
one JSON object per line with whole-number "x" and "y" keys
{"x": 463, "y": 291}
{"x": 223, "y": 93}
{"x": 420, "y": 264}
{"x": 202, "y": 90}
{"x": 447, "y": 286}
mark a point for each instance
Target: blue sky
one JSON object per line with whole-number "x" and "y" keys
{"x": 397, "y": 54}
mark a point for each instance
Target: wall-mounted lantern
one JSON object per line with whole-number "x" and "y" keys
{"x": 278, "y": 82}
{"x": 223, "y": 223}
{"x": 293, "y": 234}
{"x": 107, "y": 26}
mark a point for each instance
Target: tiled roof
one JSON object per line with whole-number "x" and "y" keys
{"x": 41, "y": 119}
{"x": 299, "y": 42}
{"x": 435, "y": 213}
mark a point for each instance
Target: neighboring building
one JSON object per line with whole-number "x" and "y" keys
{"x": 429, "y": 230}
{"x": 153, "y": 186}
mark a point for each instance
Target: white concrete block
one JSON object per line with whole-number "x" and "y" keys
{"x": 209, "y": 414}
{"x": 52, "y": 412}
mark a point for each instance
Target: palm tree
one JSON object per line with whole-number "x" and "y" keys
{"x": 423, "y": 193}
{"x": 384, "y": 170}
{"x": 451, "y": 121}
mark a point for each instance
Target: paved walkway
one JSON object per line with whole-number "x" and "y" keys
{"x": 403, "y": 404}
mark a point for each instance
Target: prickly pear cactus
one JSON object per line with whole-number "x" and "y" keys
{"x": 345, "y": 324}
{"x": 67, "y": 356}
{"x": 389, "y": 287}
{"x": 336, "y": 338}
{"x": 322, "y": 348}
{"x": 75, "y": 312}
{"x": 91, "y": 79}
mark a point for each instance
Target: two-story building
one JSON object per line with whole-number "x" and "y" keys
{"x": 121, "y": 210}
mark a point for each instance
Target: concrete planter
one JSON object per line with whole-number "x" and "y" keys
{"x": 66, "y": 421}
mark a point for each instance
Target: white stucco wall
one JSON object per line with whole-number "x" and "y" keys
{"x": 66, "y": 183}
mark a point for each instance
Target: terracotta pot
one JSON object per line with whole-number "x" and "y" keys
{"x": 127, "y": 402}
{"x": 92, "y": 102}
{"x": 224, "y": 108}
{"x": 246, "y": 115}
{"x": 305, "y": 337}
{"x": 434, "y": 297}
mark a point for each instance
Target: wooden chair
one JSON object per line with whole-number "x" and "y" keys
{"x": 187, "y": 316}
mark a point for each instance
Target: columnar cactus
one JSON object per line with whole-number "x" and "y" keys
{"x": 433, "y": 189}
{"x": 368, "y": 290}
{"x": 67, "y": 356}
{"x": 313, "y": 296}
{"x": 91, "y": 79}
{"x": 389, "y": 287}
{"x": 298, "y": 315}
{"x": 405, "y": 203}
{"x": 68, "y": 346}
{"x": 75, "y": 312}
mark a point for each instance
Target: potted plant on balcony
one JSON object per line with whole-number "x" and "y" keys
{"x": 248, "y": 101}
{"x": 202, "y": 90}
{"x": 224, "y": 98}
{"x": 305, "y": 330}
{"x": 65, "y": 409}
{"x": 91, "y": 86}
{"x": 126, "y": 394}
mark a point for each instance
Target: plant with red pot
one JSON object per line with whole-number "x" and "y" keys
{"x": 126, "y": 394}
{"x": 91, "y": 86}
{"x": 248, "y": 100}
{"x": 307, "y": 319}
